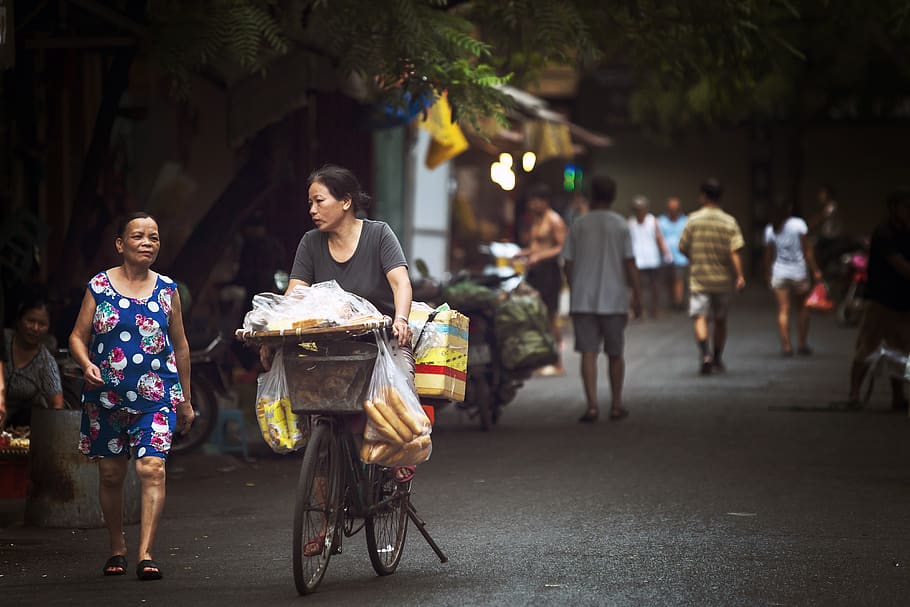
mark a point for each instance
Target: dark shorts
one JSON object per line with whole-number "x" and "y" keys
{"x": 709, "y": 305}
{"x": 881, "y": 325}
{"x": 675, "y": 272}
{"x": 593, "y": 331}
{"x": 546, "y": 277}
{"x": 648, "y": 276}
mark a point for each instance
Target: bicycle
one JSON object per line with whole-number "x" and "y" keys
{"x": 337, "y": 494}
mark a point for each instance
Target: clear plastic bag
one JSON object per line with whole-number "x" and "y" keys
{"x": 397, "y": 430}
{"x": 324, "y": 304}
{"x": 282, "y": 429}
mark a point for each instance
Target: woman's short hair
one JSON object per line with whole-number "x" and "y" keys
{"x": 341, "y": 183}
{"x": 126, "y": 219}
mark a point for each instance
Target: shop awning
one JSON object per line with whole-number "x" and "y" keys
{"x": 539, "y": 129}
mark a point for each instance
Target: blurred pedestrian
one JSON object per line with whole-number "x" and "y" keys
{"x": 599, "y": 266}
{"x": 545, "y": 241}
{"x": 788, "y": 257}
{"x": 826, "y": 227}
{"x": 31, "y": 374}
{"x": 577, "y": 207}
{"x": 886, "y": 320}
{"x": 712, "y": 240}
{"x": 137, "y": 383}
{"x": 650, "y": 249}
{"x": 671, "y": 225}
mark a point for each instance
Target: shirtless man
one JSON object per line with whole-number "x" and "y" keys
{"x": 546, "y": 237}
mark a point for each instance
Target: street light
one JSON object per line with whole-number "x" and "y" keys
{"x": 528, "y": 160}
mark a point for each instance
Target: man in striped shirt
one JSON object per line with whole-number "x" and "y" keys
{"x": 712, "y": 240}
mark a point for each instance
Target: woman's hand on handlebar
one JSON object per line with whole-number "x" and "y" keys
{"x": 266, "y": 355}
{"x": 402, "y": 331}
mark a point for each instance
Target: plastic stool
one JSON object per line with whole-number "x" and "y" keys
{"x": 226, "y": 416}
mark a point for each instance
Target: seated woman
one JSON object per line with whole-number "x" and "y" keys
{"x": 30, "y": 372}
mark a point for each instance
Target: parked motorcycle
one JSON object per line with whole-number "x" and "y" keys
{"x": 492, "y": 382}
{"x": 208, "y": 385}
{"x": 856, "y": 269}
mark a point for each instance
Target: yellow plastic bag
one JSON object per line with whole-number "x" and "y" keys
{"x": 282, "y": 429}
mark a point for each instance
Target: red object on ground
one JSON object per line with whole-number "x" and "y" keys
{"x": 13, "y": 477}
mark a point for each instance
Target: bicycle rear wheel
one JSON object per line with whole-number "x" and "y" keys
{"x": 387, "y": 522}
{"x": 318, "y": 509}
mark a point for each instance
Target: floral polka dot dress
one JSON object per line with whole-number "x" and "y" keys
{"x": 136, "y": 406}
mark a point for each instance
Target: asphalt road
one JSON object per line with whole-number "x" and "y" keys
{"x": 735, "y": 489}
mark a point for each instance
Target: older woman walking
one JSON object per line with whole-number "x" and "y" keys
{"x": 130, "y": 343}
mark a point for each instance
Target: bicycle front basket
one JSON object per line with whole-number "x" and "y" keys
{"x": 333, "y": 378}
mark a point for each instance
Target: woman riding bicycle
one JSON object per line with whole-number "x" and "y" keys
{"x": 363, "y": 256}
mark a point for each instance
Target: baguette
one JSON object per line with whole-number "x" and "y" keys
{"x": 394, "y": 420}
{"x": 417, "y": 421}
{"x": 379, "y": 453}
{"x": 415, "y": 452}
{"x": 365, "y": 450}
{"x": 379, "y": 423}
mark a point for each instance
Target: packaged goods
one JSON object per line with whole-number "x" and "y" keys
{"x": 440, "y": 351}
{"x": 282, "y": 429}
{"x": 324, "y": 304}
{"x": 398, "y": 430}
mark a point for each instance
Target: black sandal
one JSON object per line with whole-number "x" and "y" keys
{"x": 118, "y": 561}
{"x": 148, "y": 570}
{"x": 589, "y": 416}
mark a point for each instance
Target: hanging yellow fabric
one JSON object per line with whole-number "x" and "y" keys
{"x": 448, "y": 141}
{"x": 548, "y": 139}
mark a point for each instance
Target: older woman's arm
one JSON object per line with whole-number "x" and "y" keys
{"x": 177, "y": 334}
{"x": 79, "y": 340}
{"x": 400, "y": 282}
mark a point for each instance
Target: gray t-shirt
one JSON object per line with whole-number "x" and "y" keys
{"x": 598, "y": 243}
{"x": 378, "y": 252}
{"x": 36, "y": 383}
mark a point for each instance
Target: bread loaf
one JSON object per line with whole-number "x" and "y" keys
{"x": 378, "y": 452}
{"x": 415, "y": 452}
{"x": 380, "y": 424}
{"x": 394, "y": 420}
{"x": 417, "y": 421}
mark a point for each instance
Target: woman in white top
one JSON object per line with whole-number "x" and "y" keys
{"x": 788, "y": 257}
{"x": 649, "y": 248}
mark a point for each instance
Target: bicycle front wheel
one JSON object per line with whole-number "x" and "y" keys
{"x": 387, "y": 521}
{"x": 317, "y": 509}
